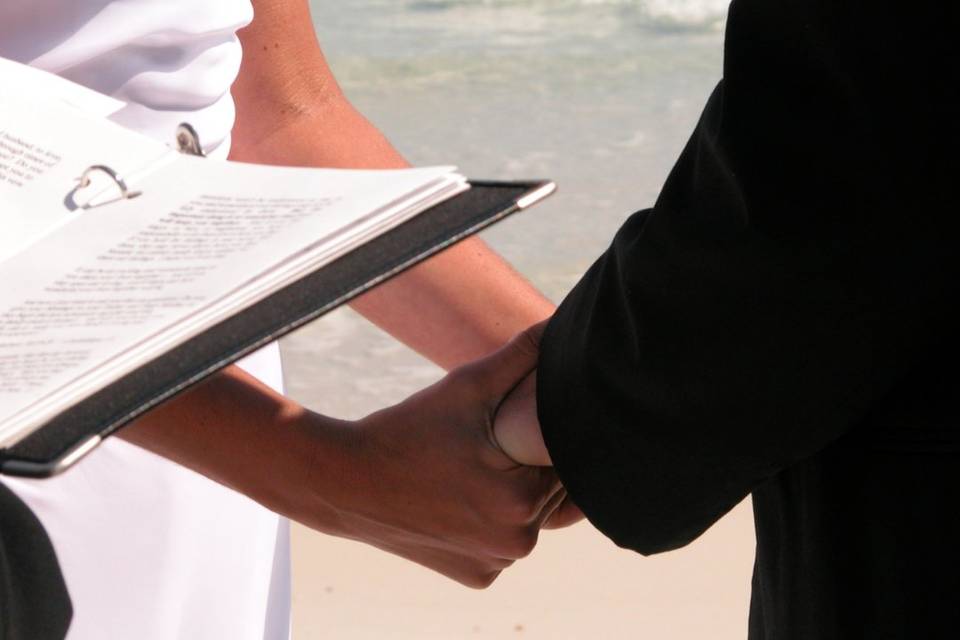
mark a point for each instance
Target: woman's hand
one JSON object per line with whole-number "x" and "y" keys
{"x": 425, "y": 479}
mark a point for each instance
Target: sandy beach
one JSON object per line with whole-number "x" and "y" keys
{"x": 599, "y": 95}
{"x": 575, "y": 586}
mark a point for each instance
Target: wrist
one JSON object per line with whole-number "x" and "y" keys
{"x": 308, "y": 486}
{"x": 329, "y": 133}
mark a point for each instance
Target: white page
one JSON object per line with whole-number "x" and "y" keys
{"x": 305, "y": 261}
{"x": 134, "y": 268}
{"x": 248, "y": 293}
{"x": 25, "y": 82}
{"x": 44, "y": 148}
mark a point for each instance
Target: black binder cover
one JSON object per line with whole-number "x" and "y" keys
{"x": 72, "y": 434}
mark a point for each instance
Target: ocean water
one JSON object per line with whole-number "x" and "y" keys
{"x": 598, "y": 95}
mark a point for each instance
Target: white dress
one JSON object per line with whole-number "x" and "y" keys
{"x": 150, "y": 550}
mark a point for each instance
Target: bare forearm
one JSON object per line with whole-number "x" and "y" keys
{"x": 237, "y": 431}
{"x": 422, "y": 479}
{"x": 458, "y": 306}
{"x": 454, "y": 308}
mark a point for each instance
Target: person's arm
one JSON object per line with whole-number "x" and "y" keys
{"x": 422, "y": 480}
{"x": 456, "y": 307}
{"x": 758, "y": 313}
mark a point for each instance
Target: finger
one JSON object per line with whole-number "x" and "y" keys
{"x": 550, "y": 507}
{"x": 565, "y": 515}
{"x": 474, "y": 571}
{"x": 545, "y": 489}
{"x": 500, "y": 372}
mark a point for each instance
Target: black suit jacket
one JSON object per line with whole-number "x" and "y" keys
{"x": 781, "y": 323}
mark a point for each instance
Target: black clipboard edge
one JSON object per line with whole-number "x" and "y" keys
{"x": 43, "y": 453}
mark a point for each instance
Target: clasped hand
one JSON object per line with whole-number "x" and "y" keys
{"x": 428, "y": 480}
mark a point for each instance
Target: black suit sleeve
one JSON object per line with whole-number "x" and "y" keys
{"x": 797, "y": 262}
{"x": 33, "y": 598}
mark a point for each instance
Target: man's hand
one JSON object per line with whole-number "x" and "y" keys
{"x": 517, "y": 427}
{"x": 425, "y": 479}
{"x": 517, "y": 431}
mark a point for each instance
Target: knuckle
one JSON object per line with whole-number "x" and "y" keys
{"x": 528, "y": 343}
{"x": 465, "y": 381}
{"x": 455, "y": 378}
{"x": 522, "y": 500}
{"x": 481, "y": 579}
{"x": 519, "y": 544}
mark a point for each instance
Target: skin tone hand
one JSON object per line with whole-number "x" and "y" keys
{"x": 517, "y": 427}
{"x": 424, "y": 479}
{"x": 364, "y": 480}
{"x": 474, "y": 511}
{"x": 518, "y": 434}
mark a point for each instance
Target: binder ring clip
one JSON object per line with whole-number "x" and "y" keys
{"x": 84, "y": 181}
{"x": 188, "y": 140}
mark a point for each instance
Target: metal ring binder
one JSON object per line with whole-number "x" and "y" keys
{"x": 70, "y": 435}
{"x": 188, "y": 140}
{"x": 125, "y": 192}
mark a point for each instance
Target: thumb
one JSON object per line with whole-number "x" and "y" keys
{"x": 565, "y": 515}
{"x": 502, "y": 370}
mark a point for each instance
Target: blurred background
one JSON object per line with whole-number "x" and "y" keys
{"x": 600, "y": 96}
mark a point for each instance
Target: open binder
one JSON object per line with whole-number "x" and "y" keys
{"x": 65, "y": 438}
